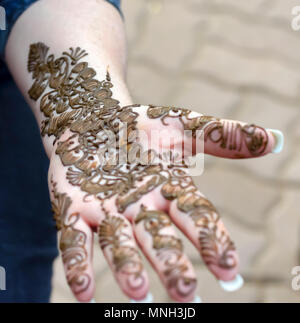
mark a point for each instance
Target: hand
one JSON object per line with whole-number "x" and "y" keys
{"x": 139, "y": 202}
{"x": 122, "y": 172}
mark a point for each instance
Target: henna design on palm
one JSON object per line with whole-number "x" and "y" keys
{"x": 102, "y": 164}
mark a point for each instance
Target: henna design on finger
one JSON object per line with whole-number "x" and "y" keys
{"x": 126, "y": 259}
{"x": 169, "y": 251}
{"x": 231, "y": 135}
{"x": 215, "y": 244}
{"x": 183, "y": 115}
{"x": 72, "y": 242}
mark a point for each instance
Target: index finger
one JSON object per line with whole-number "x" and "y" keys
{"x": 236, "y": 139}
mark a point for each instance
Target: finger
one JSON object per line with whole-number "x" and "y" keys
{"x": 76, "y": 240}
{"x": 200, "y": 222}
{"x": 158, "y": 240}
{"x": 121, "y": 252}
{"x": 76, "y": 243}
{"x": 223, "y": 138}
{"x": 235, "y": 139}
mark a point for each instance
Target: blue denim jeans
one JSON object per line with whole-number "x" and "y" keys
{"x": 28, "y": 243}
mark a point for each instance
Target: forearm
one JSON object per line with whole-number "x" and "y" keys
{"x": 94, "y": 26}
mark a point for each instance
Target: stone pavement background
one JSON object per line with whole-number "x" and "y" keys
{"x": 234, "y": 59}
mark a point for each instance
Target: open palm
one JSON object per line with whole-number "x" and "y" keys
{"x": 122, "y": 172}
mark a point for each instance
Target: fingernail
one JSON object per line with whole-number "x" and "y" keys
{"x": 233, "y": 285}
{"x": 197, "y": 299}
{"x": 279, "y": 140}
{"x": 147, "y": 299}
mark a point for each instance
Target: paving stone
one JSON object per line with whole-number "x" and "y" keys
{"x": 168, "y": 43}
{"x": 210, "y": 291}
{"x": 242, "y": 71}
{"x": 291, "y": 169}
{"x": 282, "y": 252}
{"x": 296, "y": 131}
{"x": 136, "y": 14}
{"x": 264, "y": 170}
{"x": 283, "y": 9}
{"x": 267, "y": 113}
{"x": 206, "y": 98}
{"x": 255, "y": 39}
{"x": 280, "y": 293}
{"x": 249, "y": 6}
{"x": 231, "y": 191}
{"x": 147, "y": 86}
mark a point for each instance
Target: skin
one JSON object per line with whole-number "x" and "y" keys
{"x": 130, "y": 214}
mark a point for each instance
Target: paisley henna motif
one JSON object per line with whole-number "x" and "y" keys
{"x": 85, "y": 106}
{"x": 99, "y": 156}
{"x": 72, "y": 242}
{"x": 215, "y": 244}
{"x": 169, "y": 251}
{"x": 126, "y": 259}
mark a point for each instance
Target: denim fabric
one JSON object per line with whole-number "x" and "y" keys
{"x": 28, "y": 243}
{"x": 27, "y": 231}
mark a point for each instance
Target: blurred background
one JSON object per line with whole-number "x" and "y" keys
{"x": 232, "y": 59}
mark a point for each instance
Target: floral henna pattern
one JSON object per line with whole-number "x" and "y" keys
{"x": 75, "y": 94}
{"x": 169, "y": 251}
{"x": 188, "y": 123}
{"x": 85, "y": 106}
{"x": 99, "y": 156}
{"x": 229, "y": 134}
{"x": 126, "y": 259}
{"x": 72, "y": 242}
{"x": 216, "y": 246}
